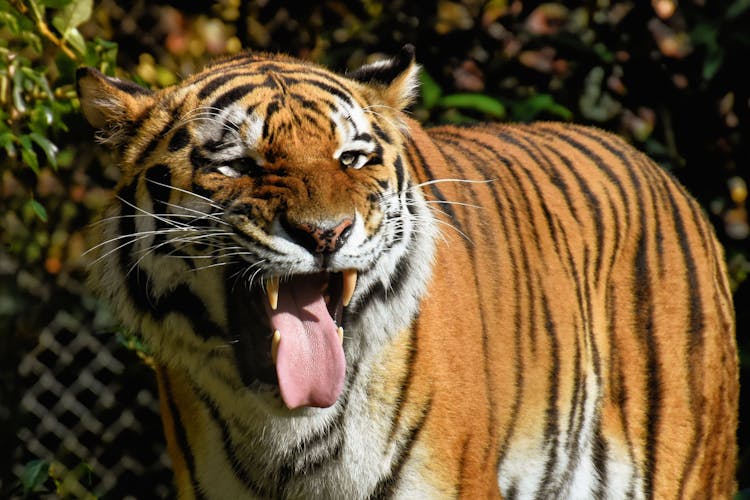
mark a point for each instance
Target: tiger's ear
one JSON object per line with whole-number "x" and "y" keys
{"x": 398, "y": 77}
{"x": 110, "y": 104}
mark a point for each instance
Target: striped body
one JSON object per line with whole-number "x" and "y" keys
{"x": 539, "y": 312}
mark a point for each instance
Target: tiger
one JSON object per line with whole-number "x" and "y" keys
{"x": 342, "y": 303}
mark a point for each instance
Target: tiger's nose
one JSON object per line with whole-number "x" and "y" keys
{"x": 319, "y": 238}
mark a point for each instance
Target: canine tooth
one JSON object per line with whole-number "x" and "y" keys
{"x": 340, "y": 331}
{"x": 272, "y": 289}
{"x": 350, "y": 281}
{"x": 275, "y": 345}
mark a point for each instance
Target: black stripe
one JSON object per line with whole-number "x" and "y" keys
{"x": 405, "y": 385}
{"x": 198, "y": 159}
{"x": 386, "y": 486}
{"x": 398, "y": 165}
{"x": 512, "y": 492}
{"x": 181, "y": 435}
{"x": 599, "y": 459}
{"x": 696, "y": 326}
{"x": 129, "y": 87}
{"x": 158, "y": 180}
{"x": 620, "y": 397}
{"x": 151, "y": 146}
{"x": 576, "y": 405}
{"x": 362, "y": 136}
{"x": 552, "y": 415}
{"x": 230, "y": 450}
{"x": 462, "y": 467}
{"x": 223, "y": 67}
{"x": 330, "y": 87}
{"x": 232, "y": 95}
{"x": 306, "y": 103}
{"x": 179, "y": 140}
{"x": 217, "y": 82}
{"x": 180, "y": 300}
{"x": 644, "y": 326}
{"x": 272, "y": 108}
{"x": 382, "y": 134}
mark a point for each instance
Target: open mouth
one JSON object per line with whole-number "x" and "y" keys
{"x": 290, "y": 334}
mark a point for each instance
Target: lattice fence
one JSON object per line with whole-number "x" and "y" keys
{"x": 90, "y": 408}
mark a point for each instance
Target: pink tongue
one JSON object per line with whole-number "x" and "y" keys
{"x": 310, "y": 362}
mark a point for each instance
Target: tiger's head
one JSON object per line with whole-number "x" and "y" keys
{"x": 265, "y": 215}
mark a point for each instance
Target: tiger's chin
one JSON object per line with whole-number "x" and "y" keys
{"x": 288, "y": 336}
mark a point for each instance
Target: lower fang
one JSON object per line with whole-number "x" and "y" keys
{"x": 275, "y": 345}
{"x": 340, "y": 331}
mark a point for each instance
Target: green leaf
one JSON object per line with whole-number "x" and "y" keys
{"x": 36, "y": 472}
{"x": 9, "y": 20}
{"x": 39, "y": 210}
{"x": 28, "y": 155}
{"x": 55, "y": 4}
{"x": 712, "y": 64}
{"x": 102, "y": 54}
{"x": 50, "y": 150}
{"x": 38, "y": 77}
{"x": 17, "y": 92}
{"x": 34, "y": 41}
{"x": 530, "y": 108}
{"x": 38, "y": 9}
{"x": 132, "y": 342}
{"x": 6, "y": 142}
{"x": 737, "y": 8}
{"x": 76, "y": 40}
{"x": 71, "y": 16}
{"x": 430, "y": 90}
{"x": 475, "y": 102}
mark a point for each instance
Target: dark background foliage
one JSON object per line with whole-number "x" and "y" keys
{"x": 668, "y": 76}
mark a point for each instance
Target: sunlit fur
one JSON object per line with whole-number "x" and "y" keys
{"x": 541, "y": 311}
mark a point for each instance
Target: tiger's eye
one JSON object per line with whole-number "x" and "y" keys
{"x": 354, "y": 159}
{"x": 241, "y": 166}
{"x": 348, "y": 158}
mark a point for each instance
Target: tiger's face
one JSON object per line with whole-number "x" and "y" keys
{"x": 276, "y": 192}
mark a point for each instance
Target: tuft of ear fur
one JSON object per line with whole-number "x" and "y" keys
{"x": 110, "y": 104}
{"x": 398, "y": 76}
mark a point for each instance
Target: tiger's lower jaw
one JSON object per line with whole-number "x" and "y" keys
{"x": 287, "y": 337}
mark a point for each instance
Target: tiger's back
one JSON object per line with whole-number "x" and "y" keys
{"x": 343, "y": 304}
{"x": 593, "y": 291}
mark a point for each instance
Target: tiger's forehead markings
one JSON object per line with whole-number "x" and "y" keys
{"x": 288, "y": 75}
{"x": 229, "y": 132}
